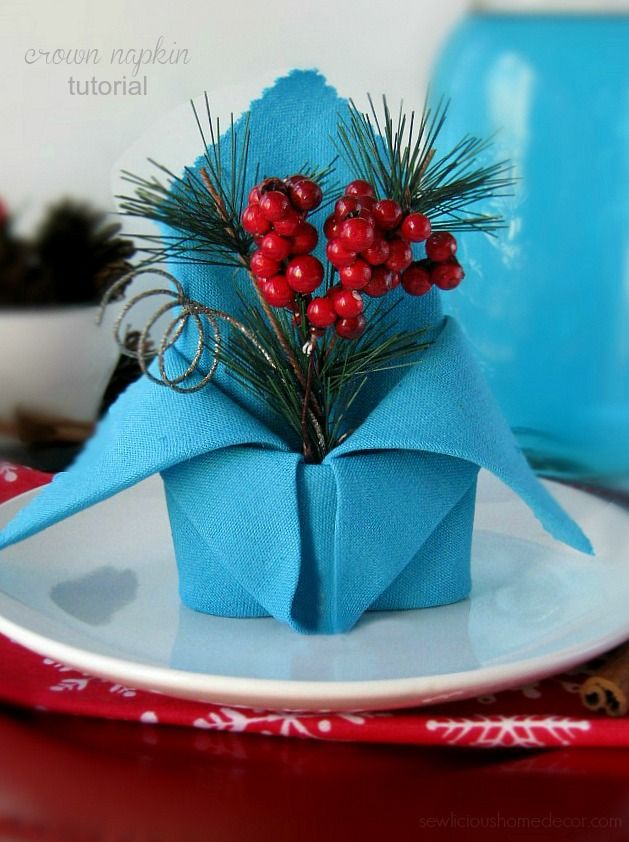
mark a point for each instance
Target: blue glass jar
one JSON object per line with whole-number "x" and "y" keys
{"x": 546, "y": 303}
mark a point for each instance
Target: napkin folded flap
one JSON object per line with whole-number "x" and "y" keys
{"x": 384, "y": 522}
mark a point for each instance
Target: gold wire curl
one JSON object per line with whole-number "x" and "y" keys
{"x": 187, "y": 309}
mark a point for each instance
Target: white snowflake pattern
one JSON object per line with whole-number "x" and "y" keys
{"x": 81, "y": 681}
{"x": 121, "y": 690}
{"x": 529, "y": 691}
{"x": 8, "y": 472}
{"x": 290, "y": 724}
{"x": 501, "y": 731}
{"x": 578, "y": 673}
{"x": 66, "y": 685}
{"x": 56, "y": 665}
{"x": 70, "y": 685}
{"x": 571, "y": 686}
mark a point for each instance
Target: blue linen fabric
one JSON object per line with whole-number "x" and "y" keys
{"x": 384, "y": 522}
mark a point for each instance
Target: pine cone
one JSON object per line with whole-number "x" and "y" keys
{"x": 80, "y": 252}
{"x": 21, "y": 282}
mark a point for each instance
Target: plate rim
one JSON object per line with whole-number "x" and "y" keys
{"x": 308, "y": 695}
{"x": 297, "y": 694}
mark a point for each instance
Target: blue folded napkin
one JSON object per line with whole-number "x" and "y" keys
{"x": 384, "y": 522}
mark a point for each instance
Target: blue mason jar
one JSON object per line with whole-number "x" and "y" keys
{"x": 546, "y": 302}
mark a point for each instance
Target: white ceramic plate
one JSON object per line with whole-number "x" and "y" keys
{"x": 99, "y": 592}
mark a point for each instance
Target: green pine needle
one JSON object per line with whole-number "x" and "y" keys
{"x": 342, "y": 368}
{"x": 401, "y": 158}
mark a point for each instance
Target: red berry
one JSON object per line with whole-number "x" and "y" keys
{"x": 293, "y": 179}
{"x": 345, "y": 206}
{"x": 254, "y": 221}
{"x": 272, "y": 184}
{"x": 305, "y": 239}
{"x": 351, "y": 328}
{"x": 263, "y": 266}
{"x": 387, "y": 214}
{"x": 304, "y": 273}
{"x": 337, "y": 289}
{"x": 377, "y": 253}
{"x": 348, "y": 303}
{"x": 321, "y": 312}
{"x": 357, "y": 234}
{"x": 358, "y": 187}
{"x": 305, "y": 195}
{"x": 416, "y": 280}
{"x": 383, "y": 280}
{"x": 254, "y": 195}
{"x": 440, "y": 246}
{"x": 331, "y": 227}
{"x": 400, "y": 255}
{"x": 277, "y": 291}
{"x": 415, "y": 228}
{"x": 275, "y": 247}
{"x": 363, "y": 213}
{"x": 367, "y": 203}
{"x": 274, "y": 205}
{"x": 356, "y": 275}
{"x": 447, "y": 275}
{"x": 289, "y": 224}
{"x": 338, "y": 254}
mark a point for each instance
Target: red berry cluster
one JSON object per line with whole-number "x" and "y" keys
{"x": 439, "y": 268}
{"x": 369, "y": 244}
{"x": 276, "y": 217}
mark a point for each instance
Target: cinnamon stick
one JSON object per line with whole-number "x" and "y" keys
{"x": 608, "y": 689}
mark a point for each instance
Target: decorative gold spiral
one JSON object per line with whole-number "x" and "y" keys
{"x": 203, "y": 318}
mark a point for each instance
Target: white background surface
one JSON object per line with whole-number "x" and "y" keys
{"x": 52, "y": 143}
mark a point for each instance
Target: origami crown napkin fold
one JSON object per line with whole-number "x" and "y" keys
{"x": 386, "y": 520}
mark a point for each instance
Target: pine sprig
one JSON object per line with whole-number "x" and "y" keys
{"x": 206, "y": 222}
{"x": 341, "y": 371}
{"x": 348, "y": 367}
{"x": 400, "y": 157}
{"x": 313, "y": 385}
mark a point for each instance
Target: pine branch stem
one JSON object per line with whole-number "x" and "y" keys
{"x": 307, "y": 448}
{"x": 331, "y": 345}
{"x": 426, "y": 163}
